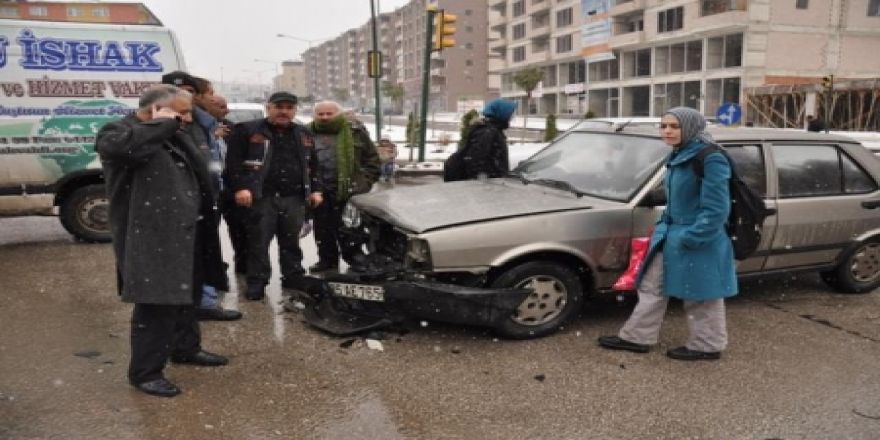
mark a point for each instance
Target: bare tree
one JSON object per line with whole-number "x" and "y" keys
{"x": 527, "y": 79}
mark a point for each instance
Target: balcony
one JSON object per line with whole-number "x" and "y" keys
{"x": 498, "y": 45}
{"x": 500, "y": 5}
{"x": 627, "y": 7}
{"x": 539, "y": 7}
{"x": 627, "y": 39}
{"x": 712, "y": 7}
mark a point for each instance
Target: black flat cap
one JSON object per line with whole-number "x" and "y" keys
{"x": 282, "y": 97}
{"x": 179, "y": 78}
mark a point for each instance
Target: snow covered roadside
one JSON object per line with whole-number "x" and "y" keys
{"x": 436, "y": 154}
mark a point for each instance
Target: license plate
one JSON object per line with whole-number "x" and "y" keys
{"x": 359, "y": 291}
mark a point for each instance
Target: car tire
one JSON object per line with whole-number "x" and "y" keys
{"x": 84, "y": 213}
{"x": 859, "y": 271}
{"x": 556, "y": 300}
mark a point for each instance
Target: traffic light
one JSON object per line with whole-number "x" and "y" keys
{"x": 828, "y": 82}
{"x": 374, "y": 64}
{"x": 444, "y": 29}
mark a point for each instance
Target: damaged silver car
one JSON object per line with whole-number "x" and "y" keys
{"x": 520, "y": 254}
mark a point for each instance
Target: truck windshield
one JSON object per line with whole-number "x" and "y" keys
{"x": 606, "y": 165}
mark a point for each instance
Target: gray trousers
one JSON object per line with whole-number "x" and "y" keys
{"x": 707, "y": 328}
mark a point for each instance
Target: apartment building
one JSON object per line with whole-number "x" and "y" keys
{"x": 337, "y": 69}
{"x": 641, "y": 57}
{"x": 292, "y": 78}
{"x": 84, "y": 12}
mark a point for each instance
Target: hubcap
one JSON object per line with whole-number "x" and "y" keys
{"x": 93, "y": 215}
{"x": 546, "y": 302}
{"x": 865, "y": 266}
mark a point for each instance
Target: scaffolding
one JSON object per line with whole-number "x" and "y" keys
{"x": 854, "y": 105}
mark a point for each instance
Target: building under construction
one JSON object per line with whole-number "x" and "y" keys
{"x": 849, "y": 105}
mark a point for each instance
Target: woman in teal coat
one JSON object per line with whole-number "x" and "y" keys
{"x": 691, "y": 256}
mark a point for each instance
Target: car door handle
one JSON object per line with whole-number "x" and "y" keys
{"x": 871, "y": 204}
{"x": 770, "y": 211}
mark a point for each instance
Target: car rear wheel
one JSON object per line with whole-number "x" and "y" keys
{"x": 860, "y": 270}
{"x": 557, "y": 296}
{"x": 84, "y": 213}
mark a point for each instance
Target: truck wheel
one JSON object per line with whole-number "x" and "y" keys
{"x": 84, "y": 213}
{"x": 556, "y": 298}
{"x": 860, "y": 270}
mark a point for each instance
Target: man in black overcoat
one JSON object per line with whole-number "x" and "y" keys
{"x": 163, "y": 224}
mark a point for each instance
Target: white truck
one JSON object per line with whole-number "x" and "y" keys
{"x": 59, "y": 83}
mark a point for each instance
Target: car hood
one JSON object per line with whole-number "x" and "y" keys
{"x": 426, "y": 207}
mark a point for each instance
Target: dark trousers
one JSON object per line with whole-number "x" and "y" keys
{"x": 158, "y": 332}
{"x": 328, "y": 222}
{"x": 236, "y": 225}
{"x": 271, "y": 217}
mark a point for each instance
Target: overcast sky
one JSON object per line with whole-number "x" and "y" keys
{"x": 224, "y": 37}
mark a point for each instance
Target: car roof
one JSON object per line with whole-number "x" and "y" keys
{"x": 723, "y": 134}
{"x": 244, "y": 106}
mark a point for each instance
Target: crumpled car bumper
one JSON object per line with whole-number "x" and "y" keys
{"x": 405, "y": 299}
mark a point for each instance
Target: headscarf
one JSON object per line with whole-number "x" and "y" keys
{"x": 345, "y": 161}
{"x": 500, "y": 110}
{"x": 693, "y": 125}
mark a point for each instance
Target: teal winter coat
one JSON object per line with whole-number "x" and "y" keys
{"x": 698, "y": 262}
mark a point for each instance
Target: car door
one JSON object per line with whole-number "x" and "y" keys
{"x": 821, "y": 190}
{"x": 751, "y": 163}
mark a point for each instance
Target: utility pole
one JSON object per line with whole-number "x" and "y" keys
{"x": 426, "y": 79}
{"x": 376, "y": 59}
{"x": 438, "y": 32}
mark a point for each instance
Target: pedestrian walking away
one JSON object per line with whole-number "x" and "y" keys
{"x": 349, "y": 165}
{"x": 273, "y": 171}
{"x": 690, "y": 256}
{"x": 160, "y": 201}
{"x": 484, "y": 152}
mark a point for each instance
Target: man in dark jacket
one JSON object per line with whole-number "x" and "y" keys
{"x": 349, "y": 165}
{"x": 486, "y": 146}
{"x": 273, "y": 171}
{"x": 160, "y": 215}
{"x": 202, "y": 132}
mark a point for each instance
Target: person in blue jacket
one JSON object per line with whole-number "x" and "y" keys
{"x": 691, "y": 256}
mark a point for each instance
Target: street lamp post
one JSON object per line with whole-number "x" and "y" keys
{"x": 304, "y": 40}
{"x": 275, "y": 68}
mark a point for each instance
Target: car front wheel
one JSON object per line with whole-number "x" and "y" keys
{"x": 84, "y": 213}
{"x": 556, "y": 297}
{"x": 859, "y": 272}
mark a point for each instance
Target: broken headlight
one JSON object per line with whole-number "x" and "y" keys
{"x": 417, "y": 250}
{"x": 351, "y": 216}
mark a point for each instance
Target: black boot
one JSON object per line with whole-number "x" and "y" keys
{"x": 255, "y": 292}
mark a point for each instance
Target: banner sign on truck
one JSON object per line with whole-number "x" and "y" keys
{"x": 59, "y": 84}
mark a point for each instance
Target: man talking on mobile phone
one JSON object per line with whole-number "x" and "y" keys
{"x": 273, "y": 171}
{"x": 160, "y": 202}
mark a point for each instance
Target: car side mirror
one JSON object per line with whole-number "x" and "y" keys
{"x": 655, "y": 197}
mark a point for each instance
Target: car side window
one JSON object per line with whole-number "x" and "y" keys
{"x": 855, "y": 179}
{"x": 808, "y": 170}
{"x": 749, "y": 160}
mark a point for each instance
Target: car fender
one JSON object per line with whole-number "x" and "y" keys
{"x": 865, "y": 236}
{"x": 76, "y": 179}
{"x": 538, "y": 248}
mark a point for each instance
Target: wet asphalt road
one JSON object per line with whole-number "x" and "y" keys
{"x": 803, "y": 363}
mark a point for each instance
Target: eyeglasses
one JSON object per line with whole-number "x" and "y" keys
{"x": 672, "y": 126}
